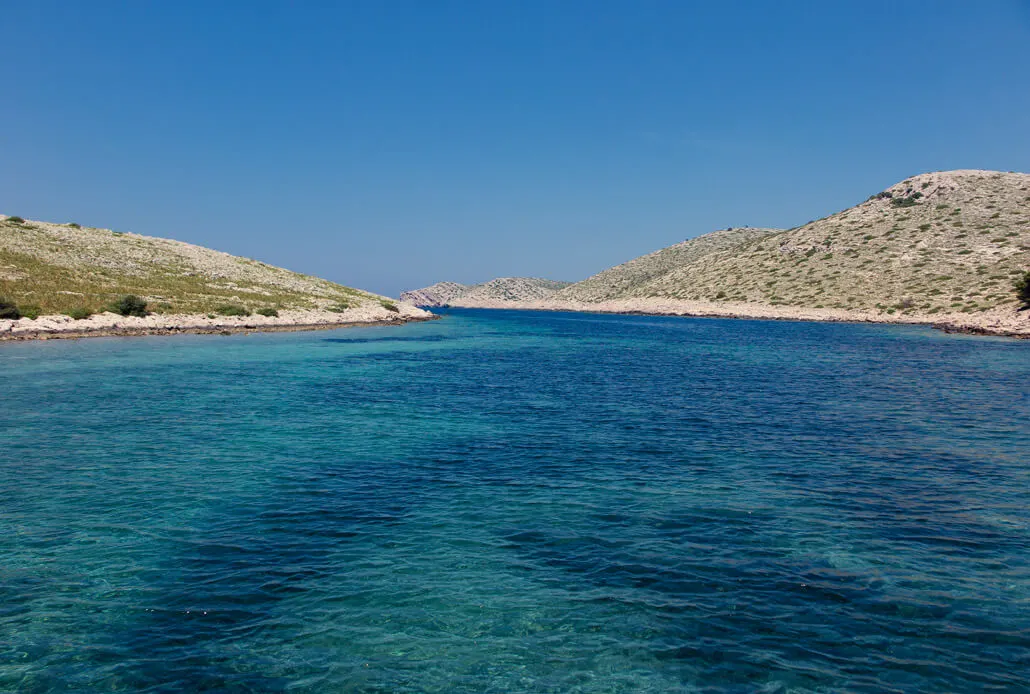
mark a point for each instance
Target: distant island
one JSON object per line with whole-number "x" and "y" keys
{"x": 497, "y": 293}
{"x": 65, "y": 280}
{"x": 944, "y": 248}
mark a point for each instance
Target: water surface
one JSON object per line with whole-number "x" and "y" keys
{"x": 508, "y": 501}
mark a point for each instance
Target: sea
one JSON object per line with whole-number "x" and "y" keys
{"x": 510, "y": 501}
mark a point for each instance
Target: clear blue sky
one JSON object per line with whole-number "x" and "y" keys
{"x": 388, "y": 145}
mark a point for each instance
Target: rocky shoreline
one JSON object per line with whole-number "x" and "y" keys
{"x": 113, "y": 325}
{"x": 1000, "y": 322}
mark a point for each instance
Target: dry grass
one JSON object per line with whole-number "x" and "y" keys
{"x": 62, "y": 268}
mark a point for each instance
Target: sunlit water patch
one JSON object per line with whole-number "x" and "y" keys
{"x": 506, "y": 501}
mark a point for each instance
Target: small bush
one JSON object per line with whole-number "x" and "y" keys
{"x": 31, "y": 311}
{"x": 232, "y": 310}
{"x": 270, "y": 312}
{"x": 390, "y": 306}
{"x": 1023, "y": 288}
{"x": 130, "y": 305}
{"x": 73, "y": 225}
{"x": 8, "y": 310}
{"x": 909, "y": 201}
{"x": 15, "y": 219}
{"x": 79, "y": 313}
{"x": 340, "y": 307}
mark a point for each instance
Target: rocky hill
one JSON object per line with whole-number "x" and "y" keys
{"x": 507, "y": 290}
{"x": 55, "y": 269}
{"x": 439, "y": 294}
{"x": 627, "y": 279}
{"x": 935, "y": 243}
{"x": 498, "y": 293}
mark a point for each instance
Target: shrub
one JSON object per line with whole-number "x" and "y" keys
{"x": 270, "y": 312}
{"x": 8, "y": 310}
{"x": 79, "y": 313}
{"x": 909, "y": 201}
{"x": 340, "y": 307}
{"x": 232, "y": 310}
{"x": 130, "y": 305}
{"x": 390, "y": 306}
{"x": 73, "y": 225}
{"x": 31, "y": 311}
{"x": 1023, "y": 289}
{"x": 15, "y": 219}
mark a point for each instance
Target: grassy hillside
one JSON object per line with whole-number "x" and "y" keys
{"x": 947, "y": 242}
{"x": 56, "y": 268}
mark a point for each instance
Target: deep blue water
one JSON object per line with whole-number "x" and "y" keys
{"x": 506, "y": 502}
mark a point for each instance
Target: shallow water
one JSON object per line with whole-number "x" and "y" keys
{"x": 507, "y": 501}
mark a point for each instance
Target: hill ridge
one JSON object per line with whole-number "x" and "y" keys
{"x": 62, "y": 270}
{"x": 498, "y": 292}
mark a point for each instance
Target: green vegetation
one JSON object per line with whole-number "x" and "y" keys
{"x": 1023, "y": 289}
{"x": 232, "y": 310}
{"x": 15, "y": 219}
{"x": 8, "y": 310}
{"x": 389, "y": 306}
{"x": 31, "y": 311}
{"x": 339, "y": 307}
{"x": 269, "y": 312}
{"x": 79, "y": 313}
{"x": 907, "y": 201}
{"x": 130, "y": 305}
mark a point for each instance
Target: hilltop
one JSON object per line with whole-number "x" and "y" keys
{"x": 57, "y": 269}
{"x": 942, "y": 248}
{"x": 439, "y": 294}
{"x": 950, "y": 242}
{"x": 497, "y": 293}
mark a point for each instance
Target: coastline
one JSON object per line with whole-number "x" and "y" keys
{"x": 113, "y": 325}
{"x": 999, "y": 322}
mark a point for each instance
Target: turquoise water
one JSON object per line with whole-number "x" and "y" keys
{"x": 506, "y": 502}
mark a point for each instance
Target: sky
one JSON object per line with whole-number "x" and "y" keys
{"x": 390, "y": 144}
